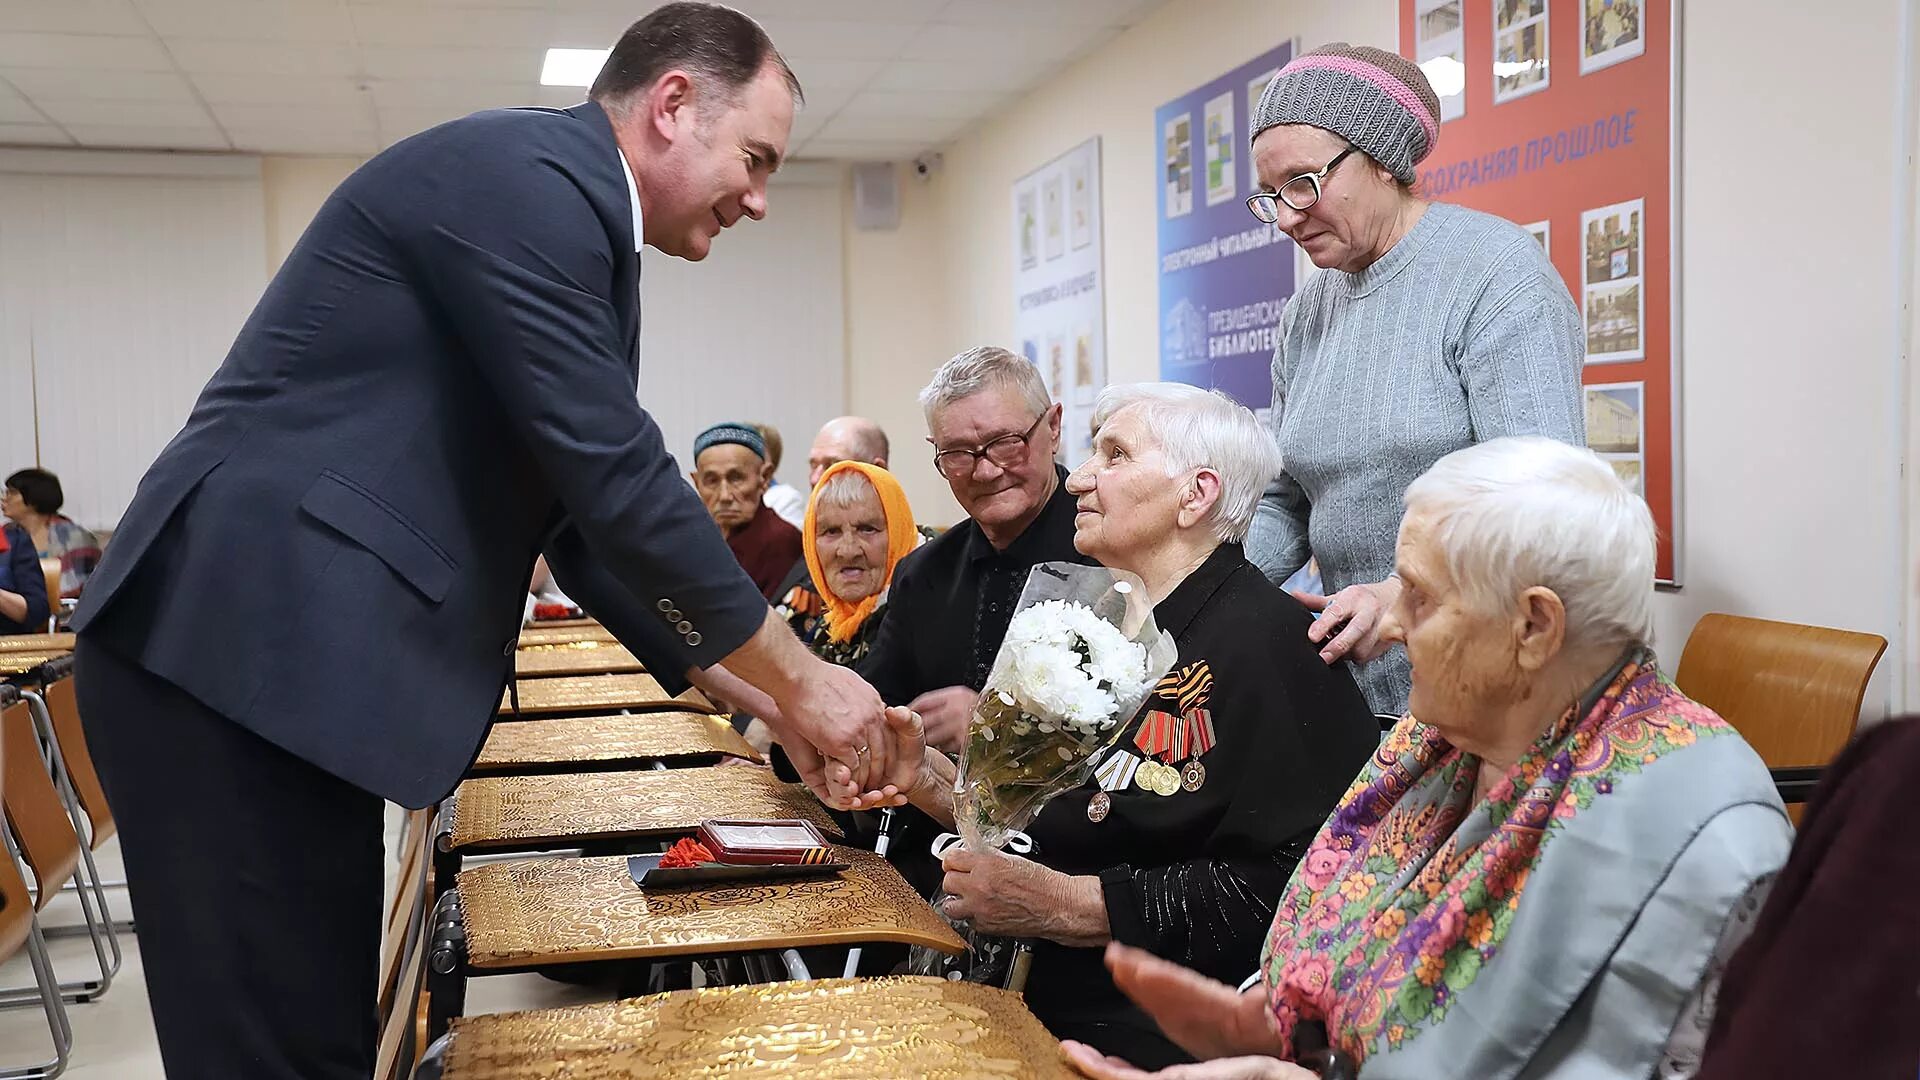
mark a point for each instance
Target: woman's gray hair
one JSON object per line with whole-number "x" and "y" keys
{"x": 1204, "y": 429}
{"x": 984, "y": 367}
{"x": 847, "y": 488}
{"x": 1516, "y": 512}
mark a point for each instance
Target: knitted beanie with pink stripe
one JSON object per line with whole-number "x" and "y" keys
{"x": 1379, "y": 101}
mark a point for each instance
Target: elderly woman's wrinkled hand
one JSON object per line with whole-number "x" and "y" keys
{"x": 906, "y": 740}
{"x": 1092, "y": 1063}
{"x": 1207, "y": 1018}
{"x": 1354, "y": 622}
{"x": 1013, "y": 897}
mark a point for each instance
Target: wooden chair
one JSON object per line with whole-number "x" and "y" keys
{"x": 403, "y": 953}
{"x": 896, "y": 1026}
{"x": 490, "y": 815}
{"x": 595, "y": 693}
{"x": 572, "y": 744}
{"x": 574, "y": 658}
{"x": 1792, "y": 691}
{"x": 51, "y": 568}
{"x": 20, "y": 928}
{"x": 563, "y": 635}
{"x": 534, "y": 913}
{"x": 47, "y": 841}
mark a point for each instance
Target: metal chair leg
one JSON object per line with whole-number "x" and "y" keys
{"x": 88, "y": 877}
{"x": 58, "y": 1026}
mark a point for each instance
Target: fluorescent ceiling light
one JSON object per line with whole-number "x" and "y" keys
{"x": 572, "y": 67}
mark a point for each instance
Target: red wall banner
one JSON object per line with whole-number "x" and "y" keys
{"x": 1559, "y": 115}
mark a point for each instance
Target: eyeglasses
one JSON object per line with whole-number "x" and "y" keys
{"x": 1298, "y": 193}
{"x": 1005, "y": 451}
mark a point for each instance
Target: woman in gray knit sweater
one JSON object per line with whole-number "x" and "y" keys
{"x": 1432, "y": 327}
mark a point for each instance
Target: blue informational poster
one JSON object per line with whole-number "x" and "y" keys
{"x": 1224, "y": 274}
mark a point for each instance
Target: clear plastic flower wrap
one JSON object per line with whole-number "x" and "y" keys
{"x": 1080, "y": 656}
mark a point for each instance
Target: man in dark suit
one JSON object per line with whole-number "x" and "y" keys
{"x": 313, "y": 601}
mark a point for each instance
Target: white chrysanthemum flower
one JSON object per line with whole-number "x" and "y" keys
{"x": 1071, "y": 666}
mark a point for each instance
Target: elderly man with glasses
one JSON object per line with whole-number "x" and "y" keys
{"x": 1429, "y": 328}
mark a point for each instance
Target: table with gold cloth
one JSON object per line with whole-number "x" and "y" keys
{"x": 40, "y": 643}
{"x": 574, "y": 658}
{"x": 567, "y": 744}
{"x": 19, "y": 663}
{"x": 597, "y": 693}
{"x": 833, "y": 1029}
{"x": 547, "y": 634}
{"x": 528, "y": 813}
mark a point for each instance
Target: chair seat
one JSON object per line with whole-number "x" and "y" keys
{"x": 835, "y": 1029}
{"x": 43, "y": 643}
{"x": 509, "y": 813}
{"x": 535, "y": 912}
{"x": 556, "y": 743}
{"x": 19, "y": 663}
{"x": 561, "y": 635}
{"x": 586, "y": 693}
{"x": 575, "y": 658}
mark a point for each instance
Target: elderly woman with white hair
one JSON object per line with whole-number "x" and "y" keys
{"x": 1182, "y": 840}
{"x": 1541, "y": 870}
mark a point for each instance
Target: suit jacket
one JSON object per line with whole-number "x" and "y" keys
{"x": 439, "y": 382}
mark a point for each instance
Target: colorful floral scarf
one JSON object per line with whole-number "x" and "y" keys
{"x": 1389, "y": 916}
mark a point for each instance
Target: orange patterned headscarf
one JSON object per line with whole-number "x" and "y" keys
{"x": 844, "y": 619}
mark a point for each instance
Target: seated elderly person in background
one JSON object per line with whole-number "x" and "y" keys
{"x": 785, "y": 499}
{"x": 32, "y": 500}
{"x": 845, "y": 438}
{"x": 1542, "y": 869}
{"x": 858, "y": 528}
{"x": 1184, "y": 837}
{"x": 730, "y": 472}
{"x": 23, "y": 585}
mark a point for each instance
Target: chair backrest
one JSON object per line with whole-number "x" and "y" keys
{"x": 48, "y": 843}
{"x": 64, "y": 707}
{"x": 1792, "y": 691}
{"x": 16, "y": 907}
{"x": 403, "y": 955}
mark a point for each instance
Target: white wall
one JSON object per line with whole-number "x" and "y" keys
{"x": 1792, "y": 336}
{"x": 294, "y": 188}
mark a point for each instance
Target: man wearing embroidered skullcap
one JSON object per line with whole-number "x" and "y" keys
{"x": 730, "y": 472}
{"x": 1428, "y": 327}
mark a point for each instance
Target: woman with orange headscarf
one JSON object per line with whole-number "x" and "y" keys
{"x": 858, "y": 528}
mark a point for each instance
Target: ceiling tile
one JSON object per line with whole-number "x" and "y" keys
{"x": 1020, "y": 15}
{"x": 249, "y": 20}
{"x": 33, "y": 135}
{"x": 278, "y": 89}
{"x": 422, "y": 93}
{"x": 944, "y": 105}
{"x": 1026, "y": 44}
{"x": 821, "y": 39}
{"x": 925, "y": 132}
{"x": 86, "y": 84}
{"x": 166, "y": 114}
{"x": 145, "y": 137}
{"x": 355, "y": 117}
{"x": 558, "y": 97}
{"x": 402, "y": 122}
{"x": 834, "y": 74}
{"x": 386, "y": 24}
{"x": 71, "y": 16}
{"x": 948, "y": 75}
{"x": 274, "y": 58}
{"x": 589, "y": 29}
{"x": 428, "y": 62}
{"x": 15, "y": 109}
{"x": 101, "y": 51}
{"x": 278, "y": 140}
{"x": 900, "y": 11}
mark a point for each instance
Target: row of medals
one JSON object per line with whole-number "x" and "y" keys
{"x": 1155, "y": 777}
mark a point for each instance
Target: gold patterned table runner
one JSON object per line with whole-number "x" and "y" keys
{"x": 43, "y": 643}
{"x": 574, "y": 658}
{"x": 492, "y": 813}
{"x": 530, "y": 912}
{"x": 831, "y": 1029}
{"x": 561, "y": 635}
{"x": 19, "y": 663}
{"x": 541, "y": 745}
{"x": 580, "y": 693}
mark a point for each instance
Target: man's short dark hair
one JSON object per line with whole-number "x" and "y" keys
{"x": 704, "y": 39}
{"x": 39, "y": 489}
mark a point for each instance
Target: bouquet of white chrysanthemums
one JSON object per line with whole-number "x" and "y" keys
{"x": 1080, "y": 655}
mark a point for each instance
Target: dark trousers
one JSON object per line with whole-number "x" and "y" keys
{"x": 255, "y": 880}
